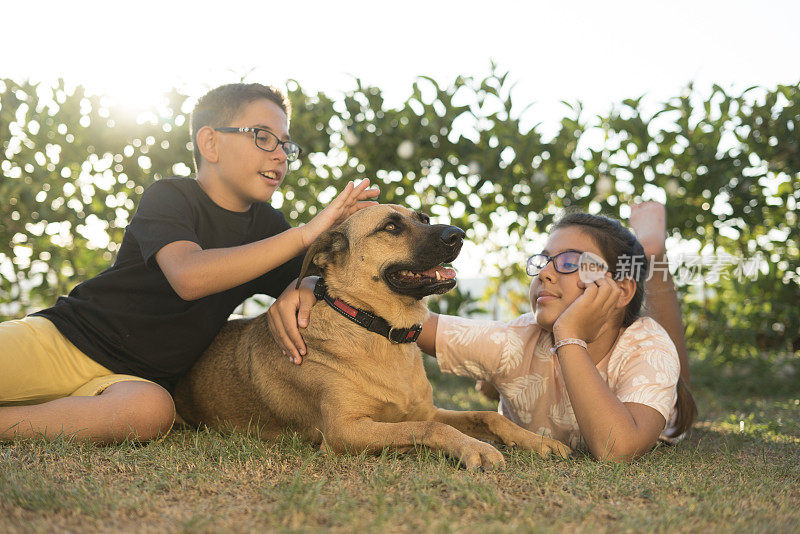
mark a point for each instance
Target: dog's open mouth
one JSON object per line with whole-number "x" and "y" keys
{"x": 420, "y": 282}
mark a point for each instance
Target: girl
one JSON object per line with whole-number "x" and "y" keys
{"x": 584, "y": 367}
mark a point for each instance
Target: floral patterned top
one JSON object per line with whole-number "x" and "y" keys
{"x": 641, "y": 367}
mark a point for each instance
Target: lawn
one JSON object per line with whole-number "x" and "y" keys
{"x": 738, "y": 471}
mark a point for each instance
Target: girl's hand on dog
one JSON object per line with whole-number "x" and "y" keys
{"x": 588, "y": 315}
{"x": 288, "y": 314}
{"x": 350, "y": 200}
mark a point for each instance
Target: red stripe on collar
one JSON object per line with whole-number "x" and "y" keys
{"x": 349, "y": 310}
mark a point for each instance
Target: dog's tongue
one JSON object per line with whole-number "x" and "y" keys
{"x": 445, "y": 273}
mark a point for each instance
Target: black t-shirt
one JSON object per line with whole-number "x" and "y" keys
{"x": 130, "y": 320}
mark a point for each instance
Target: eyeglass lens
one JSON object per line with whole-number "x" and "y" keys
{"x": 564, "y": 262}
{"x": 268, "y": 141}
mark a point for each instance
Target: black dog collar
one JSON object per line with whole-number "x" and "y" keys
{"x": 371, "y": 322}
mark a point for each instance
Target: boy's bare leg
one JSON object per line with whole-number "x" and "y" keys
{"x": 126, "y": 410}
{"x": 649, "y": 223}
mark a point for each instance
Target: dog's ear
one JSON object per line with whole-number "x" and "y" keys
{"x": 327, "y": 248}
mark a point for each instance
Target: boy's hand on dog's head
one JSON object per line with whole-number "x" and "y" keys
{"x": 350, "y": 200}
{"x": 290, "y": 312}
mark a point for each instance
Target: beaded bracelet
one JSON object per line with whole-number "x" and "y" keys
{"x": 568, "y": 341}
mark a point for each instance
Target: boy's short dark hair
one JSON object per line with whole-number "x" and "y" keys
{"x": 219, "y": 106}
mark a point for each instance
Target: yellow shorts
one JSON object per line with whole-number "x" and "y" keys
{"x": 38, "y": 364}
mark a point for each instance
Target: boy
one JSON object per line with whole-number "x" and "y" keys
{"x": 98, "y": 365}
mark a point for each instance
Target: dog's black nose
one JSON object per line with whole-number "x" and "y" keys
{"x": 452, "y": 235}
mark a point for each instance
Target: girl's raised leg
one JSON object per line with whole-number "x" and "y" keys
{"x": 649, "y": 222}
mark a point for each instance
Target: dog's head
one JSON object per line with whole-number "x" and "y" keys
{"x": 383, "y": 254}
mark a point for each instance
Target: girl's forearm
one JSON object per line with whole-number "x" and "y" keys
{"x": 427, "y": 338}
{"x": 605, "y": 423}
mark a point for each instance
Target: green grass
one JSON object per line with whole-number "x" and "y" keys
{"x": 738, "y": 471}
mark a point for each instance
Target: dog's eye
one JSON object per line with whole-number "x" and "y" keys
{"x": 391, "y": 227}
{"x": 425, "y": 219}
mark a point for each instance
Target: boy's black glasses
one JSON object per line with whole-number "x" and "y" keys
{"x": 268, "y": 141}
{"x": 564, "y": 262}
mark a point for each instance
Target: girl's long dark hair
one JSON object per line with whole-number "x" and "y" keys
{"x": 627, "y": 259}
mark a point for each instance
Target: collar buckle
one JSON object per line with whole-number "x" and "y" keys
{"x": 407, "y": 335}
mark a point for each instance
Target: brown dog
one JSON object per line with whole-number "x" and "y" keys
{"x": 356, "y": 390}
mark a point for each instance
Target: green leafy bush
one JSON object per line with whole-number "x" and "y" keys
{"x": 72, "y": 168}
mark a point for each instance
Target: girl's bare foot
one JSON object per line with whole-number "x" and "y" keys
{"x": 649, "y": 223}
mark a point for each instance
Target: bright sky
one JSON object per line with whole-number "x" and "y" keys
{"x": 598, "y": 52}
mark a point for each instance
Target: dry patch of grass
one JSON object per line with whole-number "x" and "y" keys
{"x": 727, "y": 476}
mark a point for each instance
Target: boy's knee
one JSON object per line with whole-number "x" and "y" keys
{"x": 147, "y": 409}
{"x": 159, "y": 405}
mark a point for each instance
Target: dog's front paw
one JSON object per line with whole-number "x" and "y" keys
{"x": 545, "y": 446}
{"x": 476, "y": 454}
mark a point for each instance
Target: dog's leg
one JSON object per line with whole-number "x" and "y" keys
{"x": 495, "y": 427}
{"x": 355, "y": 436}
